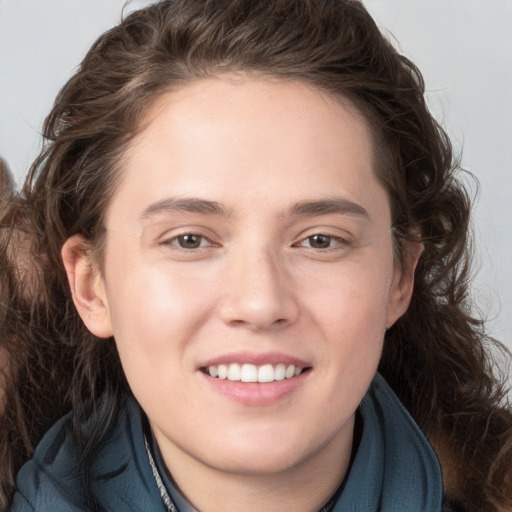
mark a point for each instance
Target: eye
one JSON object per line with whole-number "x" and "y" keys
{"x": 321, "y": 241}
{"x": 189, "y": 241}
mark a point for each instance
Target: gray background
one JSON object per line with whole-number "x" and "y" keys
{"x": 463, "y": 48}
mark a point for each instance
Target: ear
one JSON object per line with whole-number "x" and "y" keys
{"x": 403, "y": 283}
{"x": 87, "y": 286}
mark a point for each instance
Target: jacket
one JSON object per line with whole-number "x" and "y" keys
{"x": 395, "y": 469}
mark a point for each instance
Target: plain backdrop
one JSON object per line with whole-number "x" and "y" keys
{"x": 463, "y": 48}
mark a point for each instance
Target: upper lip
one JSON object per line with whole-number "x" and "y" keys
{"x": 257, "y": 359}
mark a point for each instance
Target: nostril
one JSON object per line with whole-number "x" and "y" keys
{"x": 258, "y": 308}
{"x": 238, "y": 322}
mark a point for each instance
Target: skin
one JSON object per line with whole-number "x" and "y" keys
{"x": 259, "y": 285}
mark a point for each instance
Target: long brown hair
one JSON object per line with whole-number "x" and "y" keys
{"x": 436, "y": 357}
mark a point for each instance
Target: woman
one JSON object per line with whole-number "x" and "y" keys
{"x": 243, "y": 211}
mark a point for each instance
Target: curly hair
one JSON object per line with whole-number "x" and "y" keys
{"x": 436, "y": 357}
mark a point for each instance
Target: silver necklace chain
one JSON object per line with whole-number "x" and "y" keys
{"x": 161, "y": 487}
{"x": 165, "y": 495}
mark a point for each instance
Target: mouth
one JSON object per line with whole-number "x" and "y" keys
{"x": 248, "y": 372}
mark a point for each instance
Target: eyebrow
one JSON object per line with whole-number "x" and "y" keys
{"x": 190, "y": 205}
{"x": 335, "y": 205}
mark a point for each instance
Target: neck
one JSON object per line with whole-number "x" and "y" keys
{"x": 303, "y": 487}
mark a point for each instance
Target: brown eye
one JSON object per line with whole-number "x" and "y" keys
{"x": 320, "y": 241}
{"x": 189, "y": 241}
{"x": 323, "y": 242}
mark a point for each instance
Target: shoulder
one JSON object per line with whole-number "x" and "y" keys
{"x": 49, "y": 481}
{"x": 118, "y": 478}
{"x": 394, "y": 466}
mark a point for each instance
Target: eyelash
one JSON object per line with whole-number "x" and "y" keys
{"x": 174, "y": 241}
{"x": 338, "y": 241}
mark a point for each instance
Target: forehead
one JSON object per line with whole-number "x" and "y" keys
{"x": 233, "y": 139}
{"x": 251, "y": 108}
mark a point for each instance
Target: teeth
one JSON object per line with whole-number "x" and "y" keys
{"x": 234, "y": 372}
{"x": 266, "y": 373}
{"x": 253, "y": 373}
{"x": 280, "y": 372}
{"x": 249, "y": 373}
{"x": 222, "y": 371}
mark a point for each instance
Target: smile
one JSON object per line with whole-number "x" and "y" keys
{"x": 252, "y": 373}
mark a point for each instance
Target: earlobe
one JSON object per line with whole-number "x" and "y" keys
{"x": 87, "y": 286}
{"x": 403, "y": 284}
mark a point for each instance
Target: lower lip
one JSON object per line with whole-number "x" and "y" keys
{"x": 255, "y": 393}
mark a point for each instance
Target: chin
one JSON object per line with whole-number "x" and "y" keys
{"x": 271, "y": 454}
{"x": 259, "y": 464}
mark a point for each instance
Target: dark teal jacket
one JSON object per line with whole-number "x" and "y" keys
{"x": 394, "y": 470}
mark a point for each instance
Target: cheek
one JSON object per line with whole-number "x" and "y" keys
{"x": 356, "y": 293}
{"x": 152, "y": 308}
{"x": 351, "y": 310}
{"x": 156, "y": 318}
{"x": 355, "y": 322}
{"x": 148, "y": 307}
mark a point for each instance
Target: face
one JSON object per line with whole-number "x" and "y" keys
{"x": 248, "y": 273}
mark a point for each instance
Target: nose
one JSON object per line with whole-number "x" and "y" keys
{"x": 258, "y": 293}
